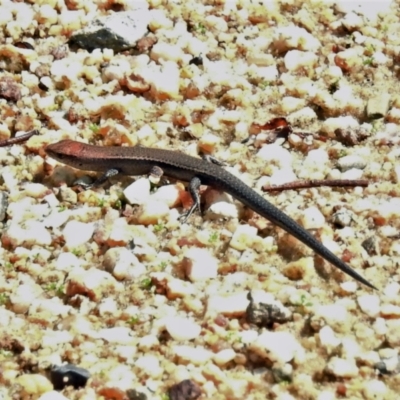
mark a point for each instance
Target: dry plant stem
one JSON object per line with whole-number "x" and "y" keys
{"x": 18, "y": 139}
{"x": 317, "y": 183}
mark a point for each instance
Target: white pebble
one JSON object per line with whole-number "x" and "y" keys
{"x": 297, "y": 60}
{"x": 369, "y": 304}
{"x": 197, "y": 355}
{"x": 200, "y": 265}
{"x": 179, "y": 288}
{"x": 35, "y": 190}
{"x": 335, "y": 315}
{"x": 293, "y": 37}
{"x": 277, "y": 346}
{"x": 166, "y": 51}
{"x": 390, "y": 311}
{"x": 168, "y": 194}
{"x": 149, "y": 365}
{"x": 52, "y": 395}
{"x": 328, "y": 338}
{"x": 351, "y": 161}
{"x": 352, "y": 174}
{"x": 67, "y": 262}
{"x": 23, "y": 297}
{"x": 122, "y": 263}
{"x": 312, "y": 218}
{"x": 276, "y": 154}
{"x": 182, "y": 328}
{"x": 152, "y": 212}
{"x": 138, "y": 192}
{"x": 224, "y": 356}
{"x": 77, "y": 233}
{"x": 331, "y": 124}
{"x": 243, "y": 237}
{"x": 33, "y": 232}
{"x": 233, "y": 305}
{"x": 93, "y": 283}
{"x": 34, "y": 384}
{"x": 148, "y": 342}
{"x": 56, "y": 219}
{"x": 342, "y": 368}
{"x": 374, "y": 389}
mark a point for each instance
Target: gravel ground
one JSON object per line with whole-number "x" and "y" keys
{"x": 105, "y": 295}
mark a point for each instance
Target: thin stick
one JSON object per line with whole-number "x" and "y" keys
{"x": 305, "y": 184}
{"x": 18, "y": 139}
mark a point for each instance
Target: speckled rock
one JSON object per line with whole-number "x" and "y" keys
{"x": 118, "y": 31}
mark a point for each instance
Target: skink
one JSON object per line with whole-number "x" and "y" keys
{"x": 141, "y": 160}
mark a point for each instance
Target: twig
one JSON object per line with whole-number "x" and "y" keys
{"x": 305, "y": 184}
{"x": 18, "y": 139}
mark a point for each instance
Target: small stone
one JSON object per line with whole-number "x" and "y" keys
{"x": 69, "y": 375}
{"x": 352, "y": 161}
{"x": 23, "y": 297}
{"x": 220, "y": 205}
{"x": 378, "y": 106}
{"x": 330, "y": 125}
{"x": 234, "y": 305}
{"x": 352, "y": 174}
{"x": 52, "y": 395}
{"x": 152, "y": 212}
{"x": 342, "y": 368}
{"x": 120, "y": 233}
{"x": 312, "y": 218}
{"x": 276, "y": 154}
{"x": 335, "y": 315}
{"x": 200, "y": 265}
{"x": 138, "y": 192}
{"x": 9, "y": 89}
{"x": 369, "y": 304}
{"x": 197, "y": 355}
{"x": 243, "y": 237}
{"x": 351, "y": 137}
{"x": 168, "y": 194}
{"x": 374, "y": 389}
{"x": 182, "y": 328}
{"x": 117, "y": 31}
{"x": 164, "y": 80}
{"x": 281, "y": 347}
{"x": 390, "y": 311}
{"x": 296, "y": 60}
{"x": 149, "y": 365}
{"x": 123, "y": 264}
{"x": 93, "y": 283}
{"x": 166, "y": 51}
{"x": 263, "y": 310}
{"x": 185, "y": 390}
{"x": 34, "y": 384}
{"x": 223, "y": 357}
{"x": 342, "y": 218}
{"x": 294, "y": 37}
{"x": 148, "y": 342}
{"x": 328, "y": 338}
{"x": 77, "y": 233}
{"x": 67, "y": 262}
{"x": 56, "y": 219}
{"x": 177, "y": 288}
{"x": 32, "y": 233}
{"x": 352, "y": 21}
